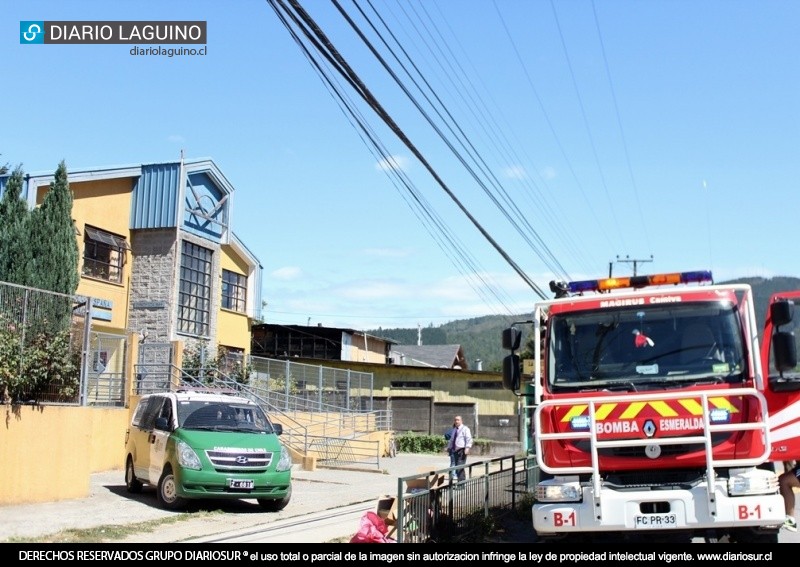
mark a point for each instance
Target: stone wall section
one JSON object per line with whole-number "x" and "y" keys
{"x": 154, "y": 279}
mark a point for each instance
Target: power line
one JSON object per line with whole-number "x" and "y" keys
{"x": 326, "y": 48}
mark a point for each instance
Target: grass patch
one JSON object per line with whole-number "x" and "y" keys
{"x": 109, "y": 533}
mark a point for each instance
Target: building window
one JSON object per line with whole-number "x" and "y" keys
{"x": 485, "y": 385}
{"x": 103, "y": 255}
{"x": 194, "y": 298}
{"x": 411, "y": 384}
{"x": 234, "y": 291}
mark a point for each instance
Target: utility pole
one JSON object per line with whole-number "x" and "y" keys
{"x": 633, "y": 261}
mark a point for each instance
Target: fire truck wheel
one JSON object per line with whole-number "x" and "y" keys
{"x": 748, "y": 535}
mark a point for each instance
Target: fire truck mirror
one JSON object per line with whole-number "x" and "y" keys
{"x": 511, "y": 338}
{"x": 781, "y": 312}
{"x": 785, "y": 350}
{"x": 511, "y": 372}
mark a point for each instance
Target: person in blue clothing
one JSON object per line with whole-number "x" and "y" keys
{"x": 459, "y": 446}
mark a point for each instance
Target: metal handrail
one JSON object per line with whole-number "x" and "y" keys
{"x": 761, "y": 425}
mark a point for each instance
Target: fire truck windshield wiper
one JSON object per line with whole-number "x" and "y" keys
{"x": 625, "y": 386}
{"x": 598, "y": 386}
{"x": 679, "y": 381}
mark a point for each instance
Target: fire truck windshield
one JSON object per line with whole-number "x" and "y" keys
{"x": 645, "y": 347}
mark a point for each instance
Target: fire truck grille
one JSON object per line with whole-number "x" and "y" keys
{"x": 638, "y": 452}
{"x": 254, "y": 460}
{"x": 653, "y": 479}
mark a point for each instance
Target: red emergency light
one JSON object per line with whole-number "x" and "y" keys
{"x": 608, "y": 284}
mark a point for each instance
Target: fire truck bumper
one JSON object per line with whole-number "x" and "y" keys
{"x": 671, "y": 509}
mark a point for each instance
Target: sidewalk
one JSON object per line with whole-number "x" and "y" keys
{"x": 312, "y": 491}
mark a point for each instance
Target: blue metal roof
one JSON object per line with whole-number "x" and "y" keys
{"x": 155, "y": 196}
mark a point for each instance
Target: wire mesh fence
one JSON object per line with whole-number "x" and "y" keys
{"x": 49, "y": 353}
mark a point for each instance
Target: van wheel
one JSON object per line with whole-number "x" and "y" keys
{"x": 168, "y": 491}
{"x": 132, "y": 483}
{"x": 276, "y": 505}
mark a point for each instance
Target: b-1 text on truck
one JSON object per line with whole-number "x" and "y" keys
{"x": 654, "y": 409}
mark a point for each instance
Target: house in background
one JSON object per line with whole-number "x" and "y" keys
{"x": 421, "y": 386}
{"x": 432, "y": 356}
{"x": 158, "y": 256}
{"x": 321, "y": 343}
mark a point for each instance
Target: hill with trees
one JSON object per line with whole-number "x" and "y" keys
{"x": 480, "y": 336}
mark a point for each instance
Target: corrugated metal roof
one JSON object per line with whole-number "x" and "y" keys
{"x": 434, "y": 356}
{"x": 155, "y": 196}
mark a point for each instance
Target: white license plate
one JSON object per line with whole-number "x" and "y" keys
{"x": 241, "y": 484}
{"x": 655, "y": 521}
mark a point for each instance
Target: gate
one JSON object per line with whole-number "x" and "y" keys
{"x": 154, "y": 369}
{"x": 106, "y": 373}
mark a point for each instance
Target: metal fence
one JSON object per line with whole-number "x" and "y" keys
{"x": 49, "y": 353}
{"x": 312, "y": 424}
{"x": 305, "y": 387}
{"x": 433, "y": 509}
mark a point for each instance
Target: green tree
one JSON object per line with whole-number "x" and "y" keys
{"x": 14, "y": 215}
{"x": 529, "y": 349}
{"x": 54, "y": 266}
{"x": 200, "y": 363}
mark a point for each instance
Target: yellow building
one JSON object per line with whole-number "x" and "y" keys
{"x": 158, "y": 258}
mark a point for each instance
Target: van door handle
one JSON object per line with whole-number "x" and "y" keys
{"x": 151, "y": 439}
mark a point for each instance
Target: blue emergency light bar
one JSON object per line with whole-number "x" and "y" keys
{"x": 608, "y": 284}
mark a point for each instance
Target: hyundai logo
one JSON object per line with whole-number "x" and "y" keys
{"x": 241, "y": 460}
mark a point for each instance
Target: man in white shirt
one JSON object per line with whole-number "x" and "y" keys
{"x": 459, "y": 445}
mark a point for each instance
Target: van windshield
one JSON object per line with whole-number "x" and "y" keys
{"x": 220, "y": 416}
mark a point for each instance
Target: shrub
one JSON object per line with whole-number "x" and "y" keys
{"x": 410, "y": 442}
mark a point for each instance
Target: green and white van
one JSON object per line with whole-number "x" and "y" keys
{"x": 200, "y": 445}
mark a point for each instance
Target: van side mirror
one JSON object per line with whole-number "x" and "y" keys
{"x": 511, "y": 338}
{"x": 277, "y": 428}
{"x": 162, "y": 424}
{"x": 781, "y": 312}
{"x": 511, "y": 372}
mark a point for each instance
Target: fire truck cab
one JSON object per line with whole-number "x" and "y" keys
{"x": 650, "y": 408}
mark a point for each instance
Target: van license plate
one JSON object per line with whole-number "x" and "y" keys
{"x": 241, "y": 484}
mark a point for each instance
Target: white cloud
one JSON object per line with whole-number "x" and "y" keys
{"x": 549, "y": 173}
{"x": 176, "y": 138}
{"x": 370, "y": 303}
{"x": 392, "y": 162}
{"x": 515, "y": 172}
{"x": 368, "y": 290}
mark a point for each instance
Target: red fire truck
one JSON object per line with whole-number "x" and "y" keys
{"x": 654, "y": 410}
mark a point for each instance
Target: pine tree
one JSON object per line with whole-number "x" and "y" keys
{"x": 54, "y": 266}
{"x": 14, "y": 215}
{"x": 54, "y": 262}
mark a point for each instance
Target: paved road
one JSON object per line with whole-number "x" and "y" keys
{"x": 313, "y": 491}
{"x": 326, "y": 506}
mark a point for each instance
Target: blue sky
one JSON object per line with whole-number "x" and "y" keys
{"x": 614, "y": 128}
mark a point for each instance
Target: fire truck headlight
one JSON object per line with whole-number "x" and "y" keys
{"x": 745, "y": 482}
{"x": 559, "y": 489}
